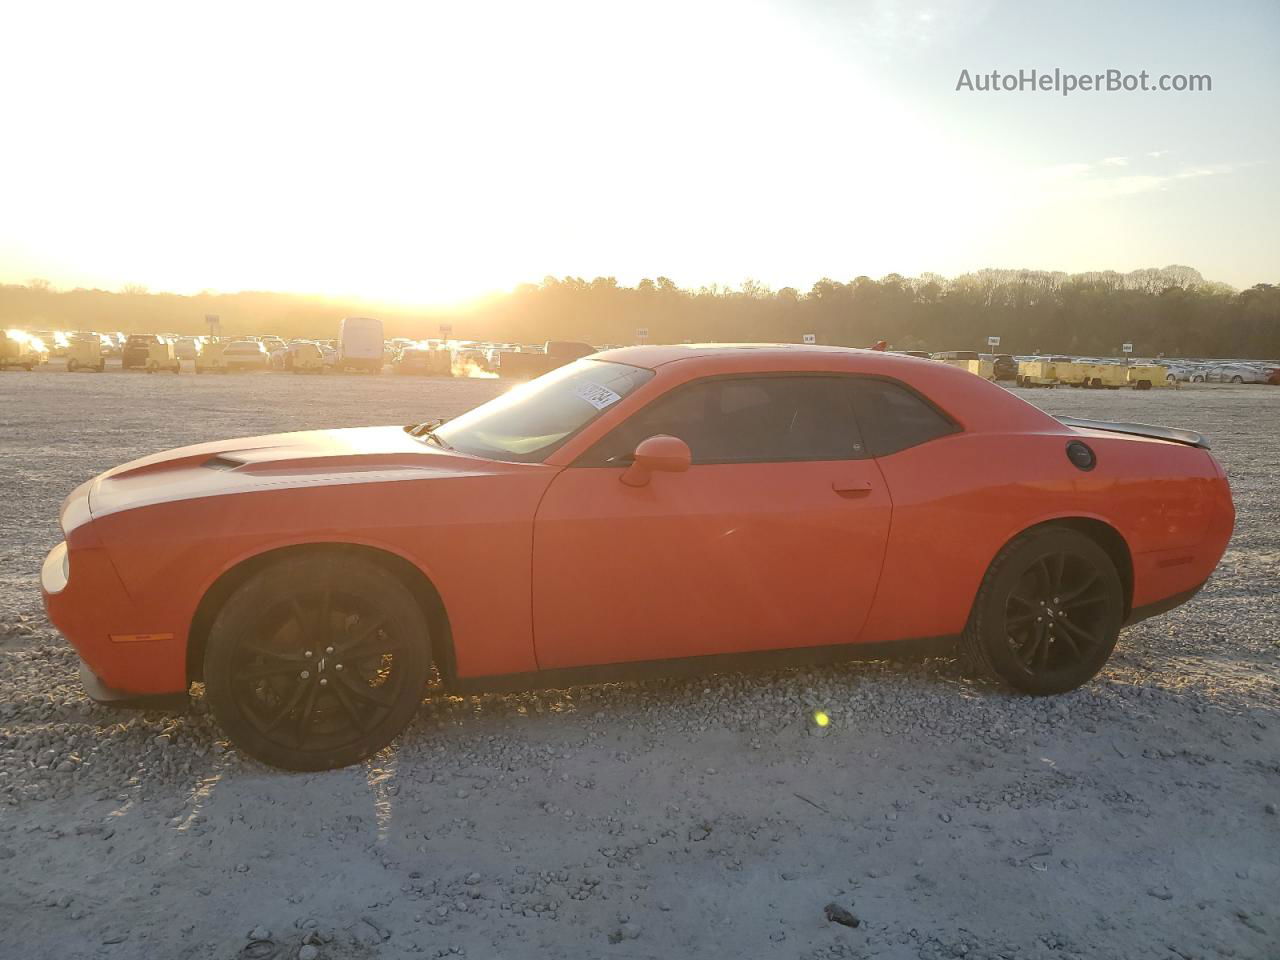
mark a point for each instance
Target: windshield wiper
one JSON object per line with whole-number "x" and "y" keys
{"x": 427, "y": 431}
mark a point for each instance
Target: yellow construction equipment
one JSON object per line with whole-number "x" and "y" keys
{"x": 84, "y": 352}
{"x": 210, "y": 358}
{"x": 1038, "y": 373}
{"x": 1112, "y": 376}
{"x": 15, "y": 353}
{"x": 160, "y": 356}
{"x": 1144, "y": 376}
{"x": 986, "y": 369}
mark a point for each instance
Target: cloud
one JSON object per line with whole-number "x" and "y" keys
{"x": 1103, "y": 179}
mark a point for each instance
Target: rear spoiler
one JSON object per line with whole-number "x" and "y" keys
{"x": 1175, "y": 434}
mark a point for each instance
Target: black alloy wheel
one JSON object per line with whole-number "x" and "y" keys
{"x": 1048, "y": 613}
{"x": 317, "y": 662}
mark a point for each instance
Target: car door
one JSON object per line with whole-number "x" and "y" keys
{"x": 773, "y": 538}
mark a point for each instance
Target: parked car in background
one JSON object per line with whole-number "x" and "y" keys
{"x": 300, "y": 356}
{"x": 422, "y": 362}
{"x": 246, "y": 355}
{"x": 55, "y": 342}
{"x": 1234, "y": 373}
{"x": 272, "y": 343}
{"x": 527, "y": 363}
{"x": 187, "y": 348}
{"x": 137, "y": 348}
{"x": 1003, "y": 365}
{"x": 360, "y": 344}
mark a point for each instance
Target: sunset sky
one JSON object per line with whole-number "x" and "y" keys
{"x": 430, "y": 153}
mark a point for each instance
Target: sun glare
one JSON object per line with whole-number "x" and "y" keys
{"x": 401, "y": 167}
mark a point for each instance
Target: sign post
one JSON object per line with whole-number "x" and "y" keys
{"x": 1127, "y": 349}
{"x": 993, "y": 341}
{"x": 214, "y": 323}
{"x": 642, "y": 334}
{"x": 810, "y": 338}
{"x": 446, "y": 331}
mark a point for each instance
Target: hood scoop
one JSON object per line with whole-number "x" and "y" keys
{"x": 223, "y": 462}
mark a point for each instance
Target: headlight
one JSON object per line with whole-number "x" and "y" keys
{"x": 56, "y": 571}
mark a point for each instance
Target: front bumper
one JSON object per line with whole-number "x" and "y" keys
{"x": 99, "y": 691}
{"x": 126, "y": 650}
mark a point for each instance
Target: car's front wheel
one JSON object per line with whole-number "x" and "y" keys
{"x": 1048, "y": 612}
{"x": 317, "y": 662}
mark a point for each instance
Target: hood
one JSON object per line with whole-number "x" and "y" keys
{"x": 314, "y": 457}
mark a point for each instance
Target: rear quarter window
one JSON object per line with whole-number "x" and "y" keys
{"x": 893, "y": 417}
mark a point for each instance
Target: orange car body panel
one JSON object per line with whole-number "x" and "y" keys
{"x": 724, "y": 558}
{"x": 466, "y": 523}
{"x": 550, "y": 565}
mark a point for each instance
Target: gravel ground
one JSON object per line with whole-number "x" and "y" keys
{"x": 1133, "y": 818}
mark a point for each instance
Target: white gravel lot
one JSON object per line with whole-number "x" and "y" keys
{"x": 1133, "y": 818}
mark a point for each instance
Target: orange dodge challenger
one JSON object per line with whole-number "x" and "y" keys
{"x": 642, "y": 511}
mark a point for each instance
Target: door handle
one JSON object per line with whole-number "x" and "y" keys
{"x": 851, "y": 488}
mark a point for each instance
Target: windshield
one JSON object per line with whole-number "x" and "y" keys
{"x": 525, "y": 424}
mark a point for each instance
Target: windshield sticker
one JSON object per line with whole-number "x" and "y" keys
{"x": 596, "y": 395}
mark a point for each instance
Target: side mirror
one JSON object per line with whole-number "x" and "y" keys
{"x": 657, "y": 454}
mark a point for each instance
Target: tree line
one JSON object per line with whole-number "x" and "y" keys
{"x": 1172, "y": 311}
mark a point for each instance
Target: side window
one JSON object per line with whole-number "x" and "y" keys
{"x": 745, "y": 420}
{"x": 893, "y": 418}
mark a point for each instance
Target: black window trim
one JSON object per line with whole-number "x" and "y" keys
{"x": 772, "y": 374}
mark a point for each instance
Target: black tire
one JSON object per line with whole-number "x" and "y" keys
{"x": 273, "y": 677}
{"x": 1048, "y": 612}
{"x": 1237, "y": 379}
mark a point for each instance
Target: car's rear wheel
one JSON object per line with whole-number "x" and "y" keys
{"x": 1048, "y": 612}
{"x": 317, "y": 662}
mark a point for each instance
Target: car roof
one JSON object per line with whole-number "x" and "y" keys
{"x": 752, "y": 354}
